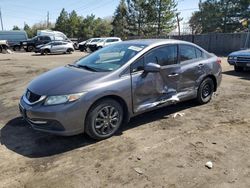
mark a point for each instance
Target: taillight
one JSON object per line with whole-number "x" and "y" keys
{"x": 218, "y": 61}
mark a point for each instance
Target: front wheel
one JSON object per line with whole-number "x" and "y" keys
{"x": 104, "y": 119}
{"x": 69, "y": 51}
{"x": 205, "y": 91}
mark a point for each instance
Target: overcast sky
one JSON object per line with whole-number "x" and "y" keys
{"x": 16, "y": 12}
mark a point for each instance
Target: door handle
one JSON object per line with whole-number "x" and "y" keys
{"x": 200, "y": 65}
{"x": 173, "y": 75}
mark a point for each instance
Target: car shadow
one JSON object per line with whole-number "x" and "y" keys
{"x": 19, "y": 137}
{"x": 242, "y": 75}
{"x": 53, "y": 54}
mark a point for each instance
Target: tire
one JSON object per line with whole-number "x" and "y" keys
{"x": 30, "y": 48}
{"x": 238, "y": 69}
{"x": 98, "y": 124}
{"x": 46, "y": 52}
{"x": 69, "y": 51}
{"x": 16, "y": 48}
{"x": 205, "y": 91}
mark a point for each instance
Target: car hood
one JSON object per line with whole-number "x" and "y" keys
{"x": 83, "y": 42}
{"x": 241, "y": 53}
{"x": 64, "y": 80}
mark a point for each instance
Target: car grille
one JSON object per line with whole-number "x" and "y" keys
{"x": 243, "y": 59}
{"x": 32, "y": 97}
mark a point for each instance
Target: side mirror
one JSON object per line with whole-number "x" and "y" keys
{"x": 152, "y": 67}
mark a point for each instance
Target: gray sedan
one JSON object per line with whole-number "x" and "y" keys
{"x": 101, "y": 91}
{"x": 55, "y": 47}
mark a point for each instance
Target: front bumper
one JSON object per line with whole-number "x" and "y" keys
{"x": 64, "y": 119}
{"x": 92, "y": 47}
{"x": 240, "y": 63}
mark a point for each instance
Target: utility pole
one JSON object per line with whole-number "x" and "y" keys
{"x": 1, "y": 18}
{"x": 159, "y": 17}
{"x": 47, "y": 19}
{"x": 178, "y": 24}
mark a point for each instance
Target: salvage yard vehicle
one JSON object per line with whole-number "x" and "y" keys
{"x": 13, "y": 38}
{"x": 105, "y": 42}
{"x": 84, "y": 45}
{"x": 90, "y": 46}
{"x": 240, "y": 60}
{"x": 99, "y": 92}
{"x": 30, "y": 45}
{"x": 55, "y": 47}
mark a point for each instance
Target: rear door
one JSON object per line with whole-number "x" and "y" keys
{"x": 150, "y": 90}
{"x": 55, "y": 47}
{"x": 192, "y": 62}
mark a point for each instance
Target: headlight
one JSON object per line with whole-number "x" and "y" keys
{"x": 234, "y": 58}
{"x": 24, "y": 43}
{"x": 61, "y": 99}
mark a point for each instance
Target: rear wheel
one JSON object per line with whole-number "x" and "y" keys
{"x": 104, "y": 119}
{"x": 16, "y": 48}
{"x": 205, "y": 91}
{"x": 238, "y": 69}
{"x": 69, "y": 50}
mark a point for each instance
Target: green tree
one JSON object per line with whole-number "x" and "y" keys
{"x": 120, "y": 22}
{"x": 166, "y": 13}
{"x": 219, "y": 16}
{"x": 28, "y": 30}
{"x": 73, "y": 24}
{"x": 102, "y": 28}
{"x": 15, "y": 27}
{"x": 62, "y": 22}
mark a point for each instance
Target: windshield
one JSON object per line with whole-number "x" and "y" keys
{"x": 95, "y": 40}
{"x": 101, "y": 40}
{"x": 111, "y": 57}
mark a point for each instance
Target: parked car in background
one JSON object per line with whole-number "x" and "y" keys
{"x": 54, "y": 35}
{"x": 240, "y": 60}
{"x": 106, "y": 41}
{"x": 30, "y": 45}
{"x": 99, "y": 92}
{"x": 14, "y": 38}
{"x": 90, "y": 46}
{"x": 55, "y": 47}
{"x": 82, "y": 45}
{"x": 4, "y": 46}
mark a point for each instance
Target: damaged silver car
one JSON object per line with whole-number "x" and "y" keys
{"x": 99, "y": 92}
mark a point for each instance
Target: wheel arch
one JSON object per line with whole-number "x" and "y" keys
{"x": 214, "y": 81}
{"x": 209, "y": 76}
{"x": 118, "y": 99}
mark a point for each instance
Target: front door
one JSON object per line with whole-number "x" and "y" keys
{"x": 150, "y": 90}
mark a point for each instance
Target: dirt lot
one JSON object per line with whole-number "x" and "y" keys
{"x": 153, "y": 150}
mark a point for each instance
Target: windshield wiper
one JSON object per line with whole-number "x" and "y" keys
{"x": 87, "y": 68}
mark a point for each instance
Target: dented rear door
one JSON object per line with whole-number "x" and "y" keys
{"x": 150, "y": 90}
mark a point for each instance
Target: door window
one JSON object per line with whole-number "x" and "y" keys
{"x": 138, "y": 65}
{"x": 166, "y": 55}
{"x": 189, "y": 53}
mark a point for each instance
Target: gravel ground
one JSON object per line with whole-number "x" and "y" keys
{"x": 153, "y": 150}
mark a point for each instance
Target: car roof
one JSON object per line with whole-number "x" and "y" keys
{"x": 149, "y": 42}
